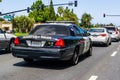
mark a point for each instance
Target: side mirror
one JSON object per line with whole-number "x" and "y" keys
{"x": 88, "y": 34}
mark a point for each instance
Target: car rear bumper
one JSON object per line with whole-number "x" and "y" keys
{"x": 99, "y": 40}
{"x": 42, "y": 53}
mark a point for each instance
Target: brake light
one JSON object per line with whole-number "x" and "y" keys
{"x": 116, "y": 31}
{"x": 60, "y": 43}
{"x": 16, "y": 41}
{"x": 103, "y": 35}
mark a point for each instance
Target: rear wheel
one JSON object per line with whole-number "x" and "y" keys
{"x": 28, "y": 60}
{"x": 75, "y": 58}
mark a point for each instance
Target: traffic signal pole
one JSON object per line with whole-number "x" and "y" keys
{"x": 104, "y": 15}
{"x": 41, "y": 6}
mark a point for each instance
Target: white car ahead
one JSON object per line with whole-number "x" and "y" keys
{"x": 6, "y": 40}
{"x": 100, "y": 36}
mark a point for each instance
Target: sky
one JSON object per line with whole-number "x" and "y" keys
{"x": 96, "y": 8}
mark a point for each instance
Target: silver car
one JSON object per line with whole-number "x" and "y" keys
{"x": 6, "y": 40}
{"x": 100, "y": 35}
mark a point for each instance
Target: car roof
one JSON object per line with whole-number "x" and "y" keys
{"x": 64, "y": 24}
{"x": 110, "y": 27}
{"x": 97, "y": 28}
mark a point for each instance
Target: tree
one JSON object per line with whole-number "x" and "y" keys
{"x": 52, "y": 16}
{"x": 37, "y": 13}
{"x": 111, "y": 24}
{"x": 22, "y": 23}
{"x": 69, "y": 15}
{"x": 86, "y": 20}
{"x": 60, "y": 10}
{"x": 1, "y": 19}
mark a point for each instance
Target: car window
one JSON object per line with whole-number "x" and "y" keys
{"x": 110, "y": 28}
{"x": 50, "y": 30}
{"x": 81, "y": 31}
{"x": 76, "y": 31}
{"x": 96, "y": 30}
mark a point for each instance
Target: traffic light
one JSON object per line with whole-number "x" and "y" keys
{"x": 104, "y": 15}
{"x": 75, "y": 3}
{"x": 28, "y": 9}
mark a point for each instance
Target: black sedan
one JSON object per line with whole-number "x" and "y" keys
{"x": 51, "y": 42}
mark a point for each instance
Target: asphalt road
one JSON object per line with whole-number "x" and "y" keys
{"x": 103, "y": 65}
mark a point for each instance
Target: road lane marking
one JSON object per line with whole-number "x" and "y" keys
{"x": 114, "y": 53}
{"x": 93, "y": 78}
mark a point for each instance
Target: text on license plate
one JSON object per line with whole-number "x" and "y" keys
{"x": 36, "y": 43}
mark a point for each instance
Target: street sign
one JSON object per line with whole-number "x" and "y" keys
{"x": 8, "y": 17}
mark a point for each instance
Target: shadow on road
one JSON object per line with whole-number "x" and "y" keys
{"x": 3, "y": 52}
{"x": 57, "y": 65}
{"x": 45, "y": 64}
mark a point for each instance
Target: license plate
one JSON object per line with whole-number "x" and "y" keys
{"x": 36, "y": 43}
{"x": 94, "y": 35}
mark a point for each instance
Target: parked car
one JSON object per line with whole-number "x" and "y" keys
{"x": 114, "y": 32}
{"x": 58, "y": 41}
{"x": 6, "y": 40}
{"x": 100, "y": 36}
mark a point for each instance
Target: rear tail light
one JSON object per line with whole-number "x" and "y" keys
{"x": 60, "y": 43}
{"x": 103, "y": 35}
{"x": 16, "y": 41}
{"x": 116, "y": 31}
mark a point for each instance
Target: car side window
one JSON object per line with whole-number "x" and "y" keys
{"x": 82, "y": 33}
{"x": 74, "y": 31}
{"x": 77, "y": 33}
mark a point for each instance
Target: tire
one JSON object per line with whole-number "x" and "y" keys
{"x": 28, "y": 60}
{"x": 110, "y": 43}
{"x": 75, "y": 58}
{"x": 107, "y": 44}
{"x": 10, "y": 47}
{"x": 89, "y": 52}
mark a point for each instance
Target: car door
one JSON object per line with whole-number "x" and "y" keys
{"x": 3, "y": 40}
{"x": 86, "y": 38}
{"x": 76, "y": 34}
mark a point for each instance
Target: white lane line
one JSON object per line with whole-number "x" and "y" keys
{"x": 114, "y": 53}
{"x": 93, "y": 78}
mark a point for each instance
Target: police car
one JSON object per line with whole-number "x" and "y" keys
{"x": 53, "y": 41}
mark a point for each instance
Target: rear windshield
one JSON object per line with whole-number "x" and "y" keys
{"x": 110, "y": 28}
{"x": 50, "y": 30}
{"x": 96, "y": 30}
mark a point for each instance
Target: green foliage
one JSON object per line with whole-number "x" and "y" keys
{"x": 1, "y": 19}
{"x": 66, "y": 15}
{"x": 21, "y": 34}
{"x": 111, "y": 24}
{"x": 23, "y": 23}
{"x": 86, "y": 20}
{"x": 60, "y": 11}
{"x": 37, "y": 13}
{"x": 52, "y": 16}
